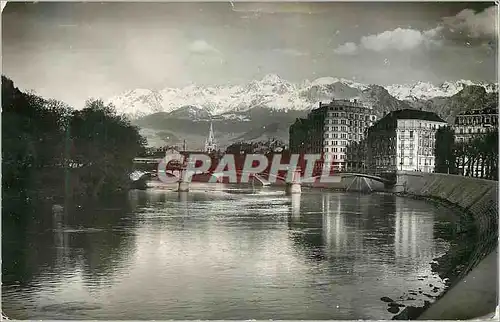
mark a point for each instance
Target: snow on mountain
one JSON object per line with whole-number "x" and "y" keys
{"x": 190, "y": 112}
{"x": 138, "y": 102}
{"x": 423, "y": 90}
{"x": 271, "y": 92}
{"x": 333, "y": 80}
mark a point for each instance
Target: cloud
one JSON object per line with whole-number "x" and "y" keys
{"x": 291, "y": 52}
{"x": 469, "y": 27}
{"x": 399, "y": 39}
{"x": 474, "y": 24}
{"x": 349, "y": 48}
{"x": 202, "y": 47}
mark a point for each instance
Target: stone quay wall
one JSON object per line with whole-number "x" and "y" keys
{"x": 476, "y": 200}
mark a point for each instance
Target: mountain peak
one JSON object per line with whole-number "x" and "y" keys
{"x": 271, "y": 78}
{"x": 274, "y": 93}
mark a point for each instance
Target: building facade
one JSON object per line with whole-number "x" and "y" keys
{"x": 403, "y": 140}
{"x": 471, "y": 124}
{"x": 330, "y": 129}
{"x": 468, "y": 126}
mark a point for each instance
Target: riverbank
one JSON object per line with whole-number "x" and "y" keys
{"x": 474, "y": 296}
{"x": 476, "y": 203}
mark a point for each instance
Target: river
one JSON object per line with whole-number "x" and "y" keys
{"x": 225, "y": 253}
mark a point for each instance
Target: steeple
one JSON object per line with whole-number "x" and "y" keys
{"x": 210, "y": 145}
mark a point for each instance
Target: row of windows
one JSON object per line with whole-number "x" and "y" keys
{"x": 478, "y": 119}
{"x": 471, "y": 131}
{"x": 349, "y": 136}
{"x": 346, "y": 122}
{"x": 336, "y": 143}
{"x": 402, "y": 124}
{"x": 335, "y": 156}
{"x": 343, "y": 129}
{"x": 420, "y": 151}
{"x": 404, "y": 161}
{"x": 350, "y": 116}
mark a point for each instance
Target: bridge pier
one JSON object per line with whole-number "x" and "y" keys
{"x": 183, "y": 183}
{"x": 296, "y": 206}
{"x": 294, "y": 187}
{"x": 183, "y": 186}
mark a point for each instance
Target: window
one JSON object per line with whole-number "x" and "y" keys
{"x": 411, "y": 134}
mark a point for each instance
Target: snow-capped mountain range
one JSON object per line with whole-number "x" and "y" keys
{"x": 424, "y": 91}
{"x": 271, "y": 92}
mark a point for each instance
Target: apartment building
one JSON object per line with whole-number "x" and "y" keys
{"x": 470, "y": 124}
{"x": 403, "y": 140}
{"x": 330, "y": 129}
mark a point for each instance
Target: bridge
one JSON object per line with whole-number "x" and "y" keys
{"x": 344, "y": 181}
{"x": 214, "y": 176}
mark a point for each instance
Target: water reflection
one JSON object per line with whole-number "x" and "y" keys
{"x": 296, "y": 206}
{"x": 228, "y": 253}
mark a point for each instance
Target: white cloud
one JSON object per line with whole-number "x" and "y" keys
{"x": 466, "y": 26}
{"x": 399, "y": 39}
{"x": 291, "y": 52}
{"x": 348, "y": 48}
{"x": 473, "y": 24}
{"x": 202, "y": 47}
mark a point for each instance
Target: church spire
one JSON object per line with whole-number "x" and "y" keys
{"x": 210, "y": 145}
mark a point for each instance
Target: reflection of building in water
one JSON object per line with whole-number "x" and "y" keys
{"x": 296, "y": 206}
{"x": 183, "y": 203}
{"x": 414, "y": 232}
{"x": 334, "y": 229}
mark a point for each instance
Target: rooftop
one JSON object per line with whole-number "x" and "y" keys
{"x": 487, "y": 110}
{"x": 411, "y": 114}
{"x": 345, "y": 102}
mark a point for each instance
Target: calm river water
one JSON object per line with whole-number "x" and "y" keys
{"x": 225, "y": 253}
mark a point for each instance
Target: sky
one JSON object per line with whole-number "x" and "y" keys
{"x": 74, "y": 51}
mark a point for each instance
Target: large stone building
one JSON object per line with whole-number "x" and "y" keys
{"x": 470, "y": 124}
{"x": 330, "y": 129}
{"x": 403, "y": 140}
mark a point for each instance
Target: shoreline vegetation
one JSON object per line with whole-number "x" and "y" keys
{"x": 52, "y": 151}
